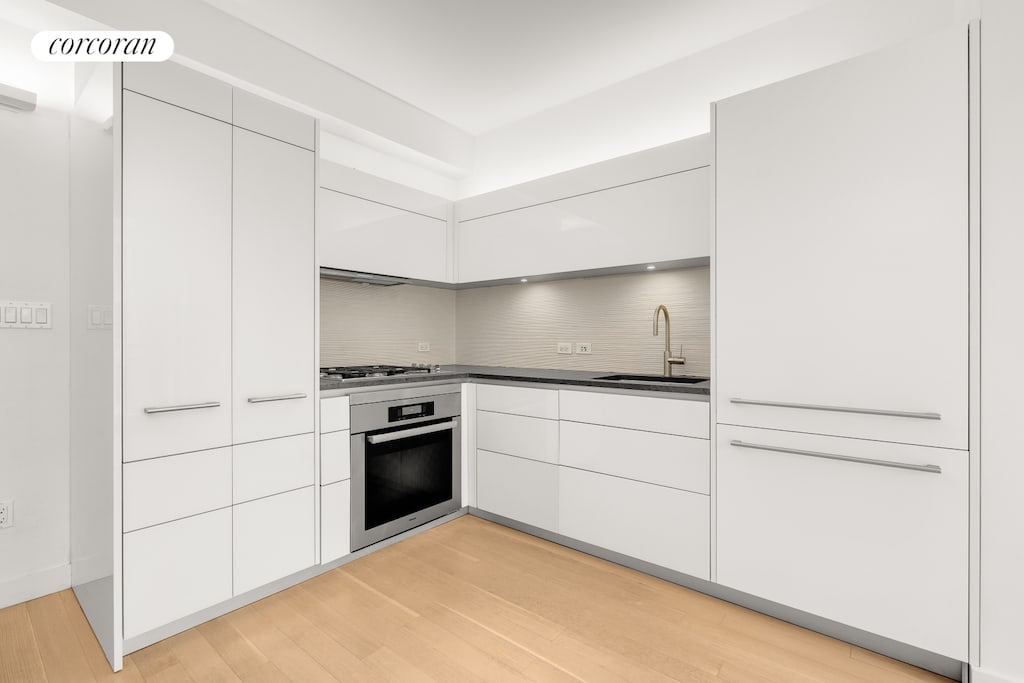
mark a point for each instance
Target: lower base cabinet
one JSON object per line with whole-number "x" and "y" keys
{"x": 880, "y": 547}
{"x": 518, "y": 488}
{"x": 273, "y": 537}
{"x": 172, "y": 570}
{"x": 657, "y": 524}
{"x": 335, "y": 516}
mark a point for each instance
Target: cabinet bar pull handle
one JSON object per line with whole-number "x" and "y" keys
{"x": 931, "y": 469}
{"x": 174, "y": 409}
{"x": 415, "y": 431}
{"x": 837, "y": 409}
{"x": 283, "y": 397}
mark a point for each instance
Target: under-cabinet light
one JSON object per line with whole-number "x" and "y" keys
{"x": 523, "y": 280}
{"x": 650, "y": 267}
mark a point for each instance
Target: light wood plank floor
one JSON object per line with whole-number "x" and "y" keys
{"x": 469, "y": 600}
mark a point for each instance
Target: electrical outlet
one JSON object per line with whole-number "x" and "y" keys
{"x": 565, "y": 347}
{"x": 6, "y": 513}
{"x": 583, "y": 347}
{"x": 423, "y": 346}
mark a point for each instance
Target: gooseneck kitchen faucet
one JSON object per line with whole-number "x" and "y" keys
{"x": 670, "y": 360}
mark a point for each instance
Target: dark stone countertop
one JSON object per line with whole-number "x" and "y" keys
{"x": 536, "y": 375}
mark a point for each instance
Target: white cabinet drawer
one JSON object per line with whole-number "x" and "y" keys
{"x": 518, "y": 400}
{"x": 333, "y": 414}
{"x": 527, "y": 437}
{"x": 273, "y": 537}
{"x": 163, "y": 489}
{"x": 172, "y": 570}
{"x": 523, "y": 490}
{"x": 666, "y": 415}
{"x": 335, "y": 524}
{"x": 264, "y": 468}
{"x": 880, "y": 548}
{"x": 666, "y": 459}
{"x": 663, "y": 526}
{"x": 273, "y": 119}
{"x": 335, "y": 462}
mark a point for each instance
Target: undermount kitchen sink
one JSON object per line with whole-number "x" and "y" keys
{"x": 653, "y": 378}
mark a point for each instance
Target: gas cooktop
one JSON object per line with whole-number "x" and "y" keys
{"x": 361, "y": 371}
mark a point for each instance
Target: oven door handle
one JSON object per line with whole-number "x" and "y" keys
{"x": 415, "y": 431}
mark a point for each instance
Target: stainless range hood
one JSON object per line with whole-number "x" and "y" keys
{"x": 365, "y": 278}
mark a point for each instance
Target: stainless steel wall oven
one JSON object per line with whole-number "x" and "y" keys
{"x": 406, "y": 459}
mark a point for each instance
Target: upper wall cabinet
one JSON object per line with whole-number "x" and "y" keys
{"x": 841, "y": 252}
{"x": 371, "y": 225}
{"x": 647, "y": 207}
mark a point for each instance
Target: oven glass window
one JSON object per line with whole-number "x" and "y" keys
{"x": 407, "y": 475}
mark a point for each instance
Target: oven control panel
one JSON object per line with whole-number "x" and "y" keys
{"x": 410, "y": 411}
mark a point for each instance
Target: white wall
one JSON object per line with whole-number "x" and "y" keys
{"x": 34, "y": 363}
{"x": 1002, "y": 328}
{"x": 268, "y": 66}
{"x": 672, "y": 102}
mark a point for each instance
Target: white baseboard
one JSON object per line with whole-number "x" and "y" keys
{"x": 35, "y": 585}
{"x": 985, "y": 676}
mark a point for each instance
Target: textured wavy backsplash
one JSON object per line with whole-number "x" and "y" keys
{"x": 363, "y": 324}
{"x": 521, "y": 325}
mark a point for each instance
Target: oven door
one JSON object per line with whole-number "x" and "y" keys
{"x": 403, "y": 477}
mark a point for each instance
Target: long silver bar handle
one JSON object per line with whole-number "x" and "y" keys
{"x": 415, "y": 431}
{"x": 283, "y": 397}
{"x": 174, "y": 409}
{"x": 837, "y": 409}
{"x": 931, "y": 469}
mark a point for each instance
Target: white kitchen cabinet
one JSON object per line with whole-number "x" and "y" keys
{"x": 218, "y": 281}
{"x": 665, "y": 459}
{"x": 518, "y": 400}
{"x": 682, "y": 417}
{"x": 274, "y": 120}
{"x": 372, "y": 237}
{"x": 841, "y": 263}
{"x": 655, "y": 219}
{"x": 335, "y": 457}
{"x": 176, "y": 291}
{"x": 334, "y": 414}
{"x": 657, "y": 524}
{"x": 335, "y": 521}
{"x": 273, "y": 537}
{"x": 518, "y": 488}
{"x": 164, "y": 489}
{"x": 273, "y": 275}
{"x": 263, "y": 468}
{"x": 176, "y": 84}
{"x": 868, "y": 544}
{"x": 525, "y": 437}
{"x": 172, "y": 570}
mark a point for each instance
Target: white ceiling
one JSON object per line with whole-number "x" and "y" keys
{"x": 481, "y": 64}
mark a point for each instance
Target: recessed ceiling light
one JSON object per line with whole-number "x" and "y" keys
{"x": 650, "y": 267}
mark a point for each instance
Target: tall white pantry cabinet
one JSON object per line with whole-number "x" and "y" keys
{"x": 218, "y": 354}
{"x": 841, "y": 270}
